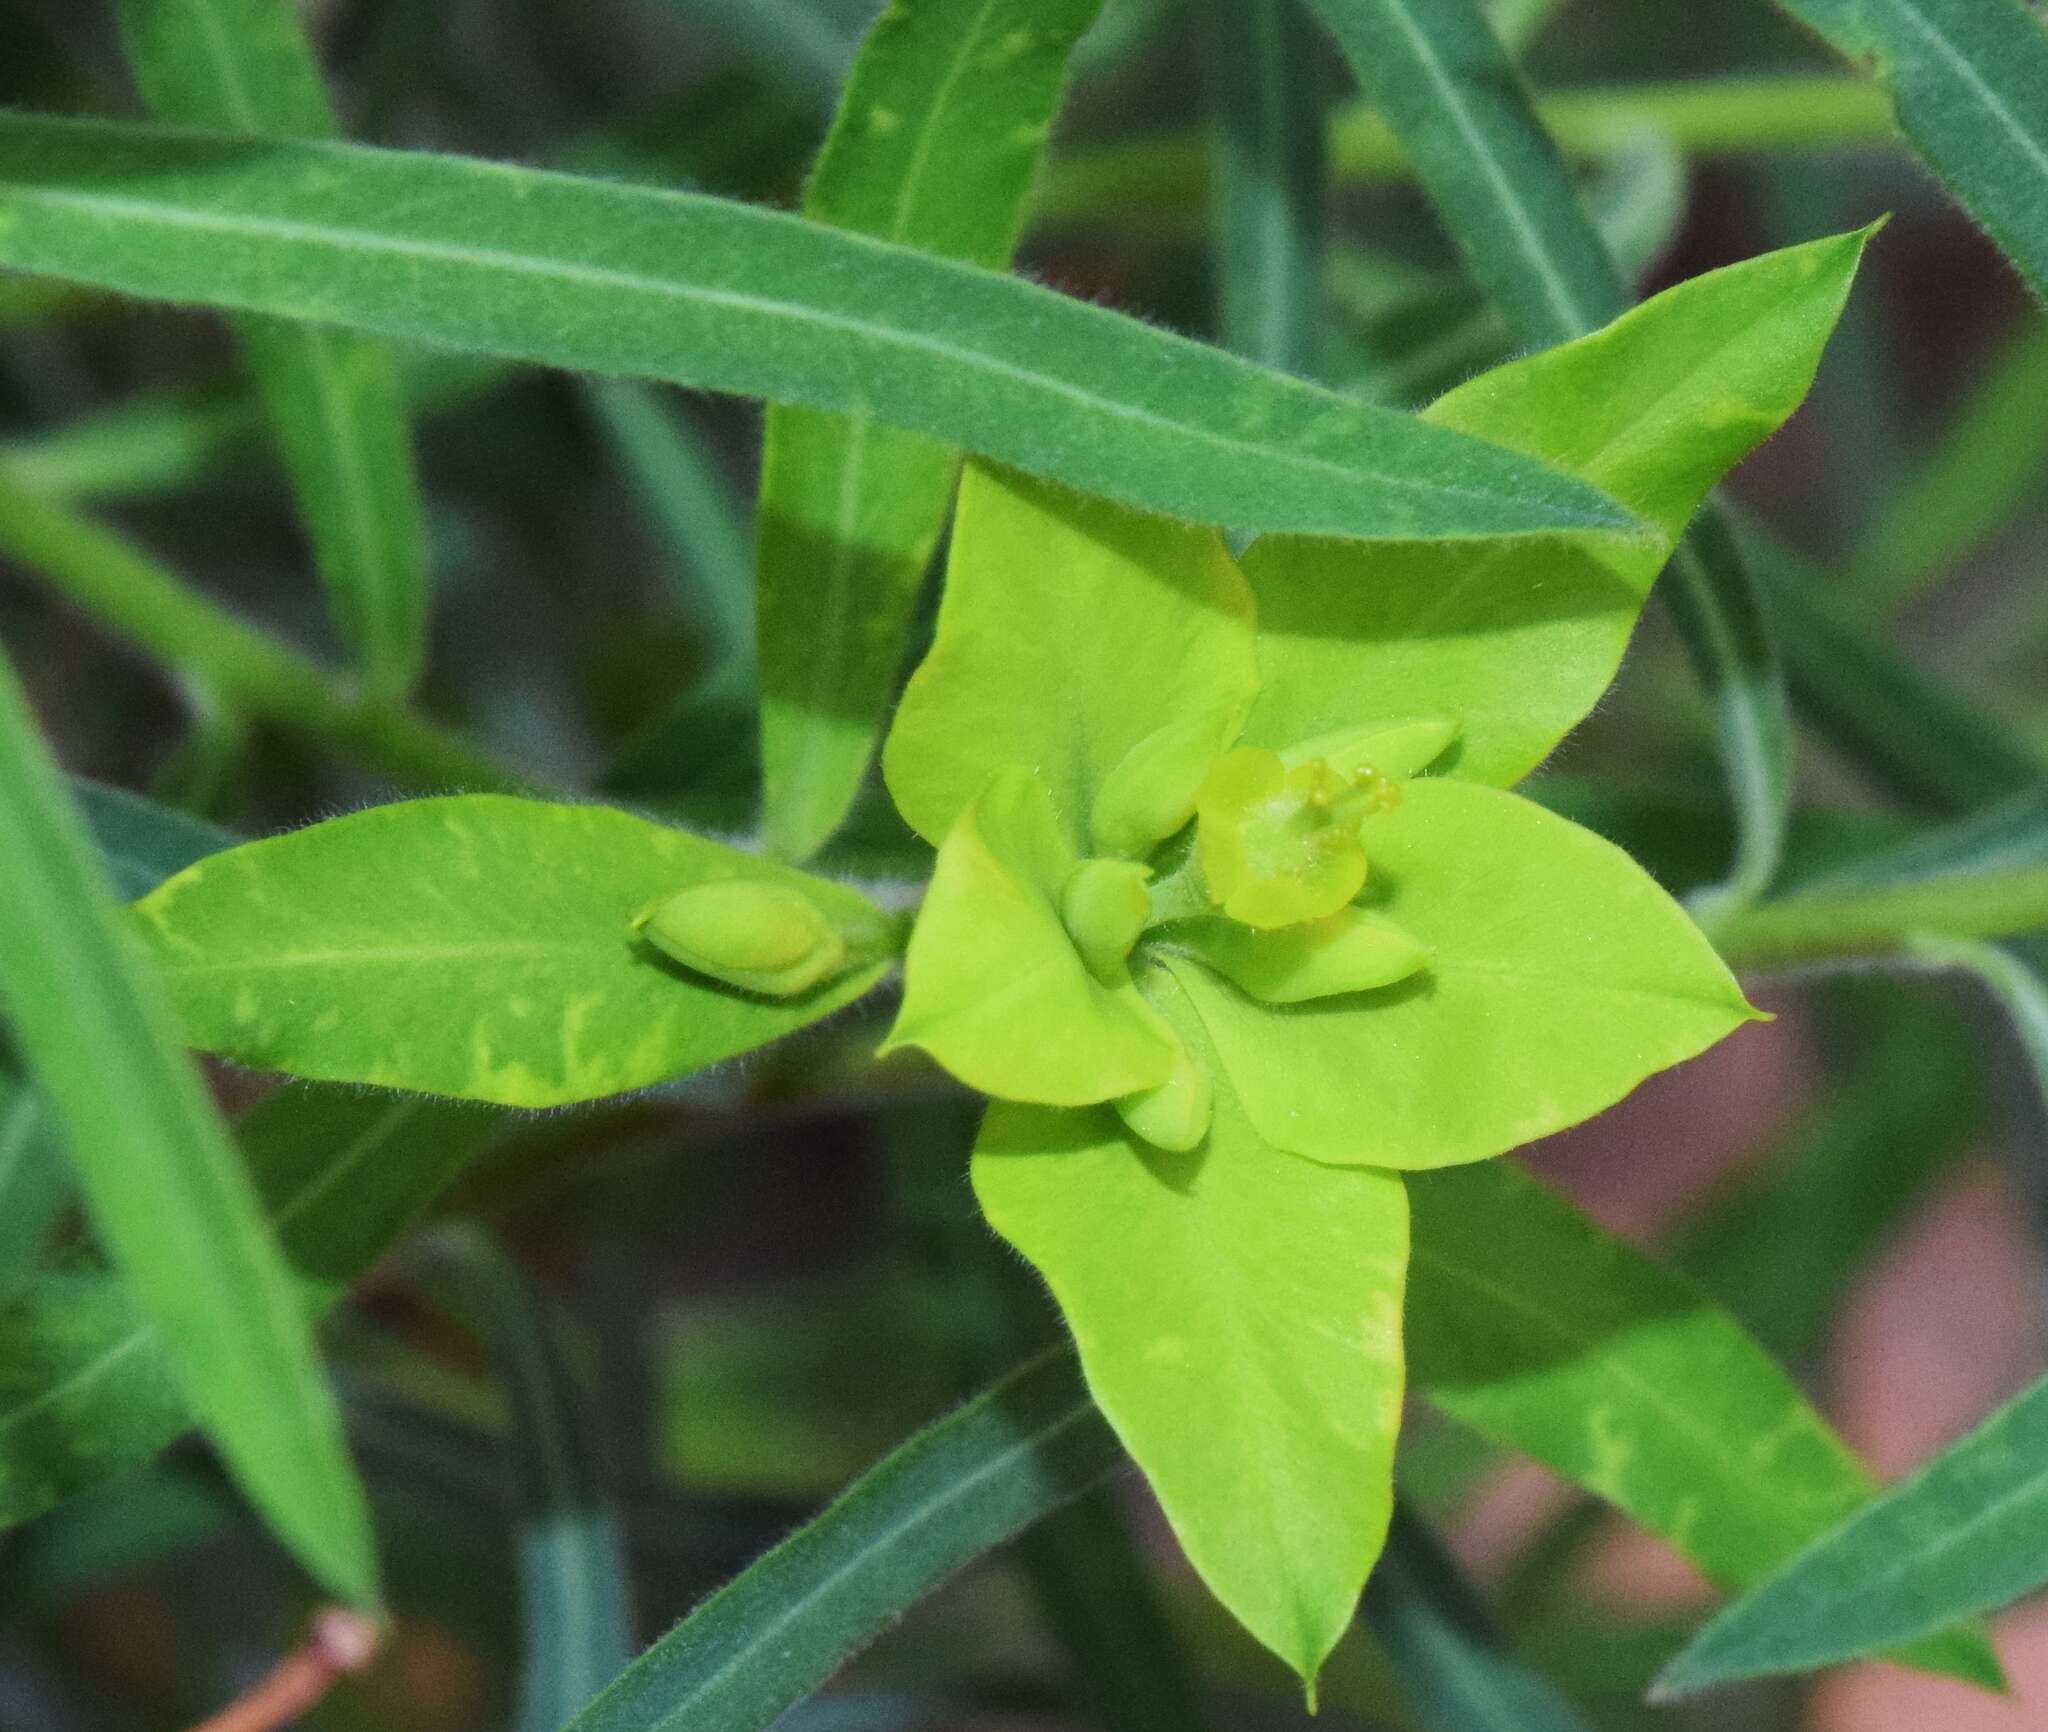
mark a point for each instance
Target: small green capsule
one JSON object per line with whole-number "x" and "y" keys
{"x": 765, "y": 938}
{"x": 1104, "y": 907}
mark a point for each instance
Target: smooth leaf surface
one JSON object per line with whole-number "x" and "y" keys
{"x": 1969, "y": 80}
{"x": 1071, "y": 632}
{"x": 35, "y": 1183}
{"x": 994, "y": 988}
{"x": 938, "y": 136}
{"x": 167, "y": 1196}
{"x": 615, "y": 278}
{"x": 1546, "y": 1334}
{"x": 1516, "y": 637}
{"x": 1559, "y": 973}
{"x": 86, "y": 1387}
{"x": 246, "y": 67}
{"x": 471, "y": 945}
{"x": 1964, "y": 1534}
{"x": 576, "y": 1627}
{"x": 1021, "y": 1450}
{"x": 1238, "y": 1315}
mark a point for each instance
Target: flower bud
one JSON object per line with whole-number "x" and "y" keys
{"x": 1104, "y": 907}
{"x": 765, "y": 938}
{"x": 1150, "y": 793}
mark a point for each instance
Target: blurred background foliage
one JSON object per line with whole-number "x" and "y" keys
{"x": 752, "y": 1285}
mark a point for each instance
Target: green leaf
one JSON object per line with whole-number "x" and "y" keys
{"x": 142, "y": 842}
{"x": 1823, "y": 923}
{"x": 1444, "y": 1648}
{"x": 1024, "y": 1448}
{"x": 936, "y": 142}
{"x": 1560, "y": 976}
{"x": 1964, "y": 1534}
{"x": 245, "y": 66}
{"x": 702, "y": 291}
{"x": 576, "y": 1626}
{"x": 1452, "y": 95}
{"x": 35, "y": 1183}
{"x": 1913, "y": 736}
{"x": 1263, "y": 72}
{"x": 164, "y": 1188}
{"x": 990, "y": 956}
{"x": 1545, "y": 1334}
{"x": 86, "y": 1387}
{"x": 472, "y": 945}
{"x": 1155, "y": 632}
{"x": 1238, "y": 1314}
{"x": 1969, "y": 80}
{"x": 1518, "y": 637}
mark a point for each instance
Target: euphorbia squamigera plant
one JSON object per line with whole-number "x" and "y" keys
{"x": 1232, "y": 916}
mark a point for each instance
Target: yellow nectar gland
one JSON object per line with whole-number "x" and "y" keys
{"x": 1278, "y": 846}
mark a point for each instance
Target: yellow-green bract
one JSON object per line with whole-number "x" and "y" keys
{"x": 1350, "y": 968}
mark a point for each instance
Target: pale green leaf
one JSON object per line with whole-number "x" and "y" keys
{"x": 1072, "y": 632}
{"x": 616, "y": 278}
{"x": 1518, "y": 637}
{"x": 993, "y": 987}
{"x": 245, "y": 66}
{"x": 1238, "y": 1314}
{"x": 1969, "y": 79}
{"x": 937, "y": 138}
{"x": 472, "y": 945}
{"x": 166, "y": 1193}
{"x": 1559, "y": 973}
{"x": 1544, "y": 1333}
{"x": 86, "y": 1388}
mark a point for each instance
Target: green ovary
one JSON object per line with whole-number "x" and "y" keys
{"x": 1278, "y": 846}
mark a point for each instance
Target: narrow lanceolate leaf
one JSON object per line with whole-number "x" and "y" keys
{"x": 1454, "y": 98}
{"x": 1969, "y": 79}
{"x": 86, "y": 1384}
{"x": 1238, "y": 1283}
{"x": 1965, "y": 1534}
{"x": 1264, "y": 79}
{"x": 245, "y": 67}
{"x": 35, "y": 1183}
{"x": 576, "y": 1626}
{"x": 935, "y": 145}
{"x": 703, "y": 291}
{"x": 1030, "y": 1444}
{"x": 2017, "y": 985}
{"x": 1900, "y": 726}
{"x": 1546, "y": 1334}
{"x": 141, "y": 842}
{"x": 1444, "y": 1649}
{"x": 476, "y": 946}
{"x": 168, "y": 1197}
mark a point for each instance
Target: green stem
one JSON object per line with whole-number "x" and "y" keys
{"x": 1850, "y": 923}
{"x": 134, "y": 597}
{"x": 1161, "y": 185}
